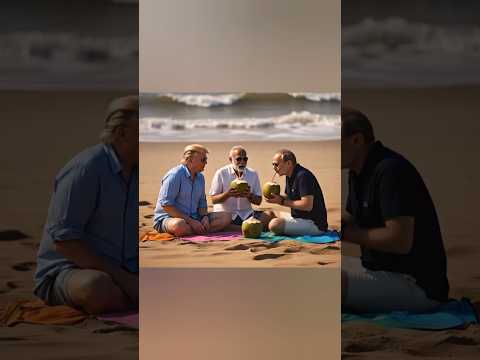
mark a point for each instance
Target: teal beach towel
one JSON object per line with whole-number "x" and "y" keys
{"x": 454, "y": 314}
{"x": 325, "y": 238}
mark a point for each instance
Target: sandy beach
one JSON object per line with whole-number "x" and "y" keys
{"x": 437, "y": 130}
{"x": 42, "y": 131}
{"x": 322, "y": 158}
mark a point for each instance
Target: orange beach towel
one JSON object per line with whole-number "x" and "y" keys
{"x": 37, "y": 312}
{"x": 155, "y": 235}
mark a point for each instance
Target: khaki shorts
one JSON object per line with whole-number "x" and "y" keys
{"x": 298, "y": 226}
{"x": 369, "y": 291}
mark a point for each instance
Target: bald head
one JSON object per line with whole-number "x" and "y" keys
{"x": 354, "y": 122}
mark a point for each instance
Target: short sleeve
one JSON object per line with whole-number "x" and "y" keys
{"x": 217, "y": 184}
{"x": 73, "y": 203}
{"x": 305, "y": 185}
{"x": 397, "y": 190}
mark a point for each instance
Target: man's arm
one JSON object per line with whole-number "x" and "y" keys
{"x": 85, "y": 258}
{"x": 304, "y": 204}
{"x": 396, "y": 237}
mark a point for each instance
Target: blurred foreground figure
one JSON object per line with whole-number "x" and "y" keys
{"x": 88, "y": 256}
{"x": 390, "y": 214}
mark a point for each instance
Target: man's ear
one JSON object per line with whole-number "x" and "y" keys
{"x": 358, "y": 139}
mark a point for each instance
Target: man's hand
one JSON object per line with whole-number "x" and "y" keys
{"x": 129, "y": 285}
{"x": 233, "y": 193}
{"x": 206, "y": 223}
{"x": 275, "y": 199}
{"x": 196, "y": 226}
{"x": 246, "y": 193}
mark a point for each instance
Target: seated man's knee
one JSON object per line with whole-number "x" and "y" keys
{"x": 179, "y": 228}
{"x": 94, "y": 291}
{"x": 277, "y": 225}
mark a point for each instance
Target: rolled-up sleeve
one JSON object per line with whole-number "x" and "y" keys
{"x": 73, "y": 203}
{"x": 169, "y": 190}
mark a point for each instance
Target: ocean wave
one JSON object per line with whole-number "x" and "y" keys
{"x": 372, "y": 38}
{"x": 318, "y": 96}
{"x": 206, "y": 100}
{"x": 292, "y": 120}
{"x": 399, "y": 52}
{"x": 64, "y": 49}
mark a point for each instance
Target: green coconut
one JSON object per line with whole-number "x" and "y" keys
{"x": 239, "y": 185}
{"x": 270, "y": 188}
{"x": 252, "y": 228}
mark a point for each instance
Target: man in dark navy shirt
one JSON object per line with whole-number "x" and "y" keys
{"x": 390, "y": 214}
{"x": 303, "y": 196}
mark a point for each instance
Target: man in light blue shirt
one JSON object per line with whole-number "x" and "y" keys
{"x": 88, "y": 256}
{"x": 182, "y": 204}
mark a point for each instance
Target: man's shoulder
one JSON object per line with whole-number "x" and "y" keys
{"x": 305, "y": 173}
{"x": 251, "y": 171}
{"x": 91, "y": 159}
{"x": 175, "y": 171}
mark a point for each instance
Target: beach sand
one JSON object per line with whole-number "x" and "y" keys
{"x": 437, "y": 130}
{"x": 322, "y": 158}
{"x": 42, "y": 131}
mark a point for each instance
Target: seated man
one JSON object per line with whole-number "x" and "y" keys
{"x": 182, "y": 205}
{"x": 88, "y": 255}
{"x": 227, "y": 199}
{"x": 304, "y": 197}
{"x": 391, "y": 216}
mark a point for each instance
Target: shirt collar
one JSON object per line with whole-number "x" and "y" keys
{"x": 187, "y": 172}
{"x": 231, "y": 170}
{"x": 374, "y": 155}
{"x": 296, "y": 169}
{"x": 115, "y": 163}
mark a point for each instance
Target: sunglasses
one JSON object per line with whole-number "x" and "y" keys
{"x": 275, "y": 165}
{"x": 238, "y": 159}
{"x": 204, "y": 160}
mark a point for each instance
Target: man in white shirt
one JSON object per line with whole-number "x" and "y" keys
{"x": 239, "y": 204}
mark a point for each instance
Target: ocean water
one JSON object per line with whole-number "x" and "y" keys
{"x": 239, "y": 117}
{"x": 423, "y": 43}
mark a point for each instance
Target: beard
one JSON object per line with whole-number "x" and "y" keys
{"x": 239, "y": 168}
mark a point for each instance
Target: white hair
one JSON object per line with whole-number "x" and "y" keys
{"x": 235, "y": 148}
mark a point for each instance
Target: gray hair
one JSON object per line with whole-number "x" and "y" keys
{"x": 235, "y": 148}
{"x": 119, "y": 113}
{"x": 287, "y": 155}
{"x": 192, "y": 149}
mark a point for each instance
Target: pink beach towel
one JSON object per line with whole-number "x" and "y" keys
{"x": 129, "y": 319}
{"x": 222, "y": 236}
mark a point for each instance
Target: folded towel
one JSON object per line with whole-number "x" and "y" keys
{"x": 155, "y": 235}
{"x": 219, "y": 236}
{"x": 129, "y": 319}
{"x": 328, "y": 236}
{"x": 37, "y": 312}
{"x": 453, "y": 314}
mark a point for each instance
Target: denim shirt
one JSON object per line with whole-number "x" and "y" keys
{"x": 94, "y": 203}
{"x": 179, "y": 190}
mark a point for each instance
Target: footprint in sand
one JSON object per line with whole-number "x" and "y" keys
{"x": 325, "y": 262}
{"x": 11, "y": 235}
{"x": 293, "y": 249}
{"x": 148, "y": 216}
{"x": 144, "y": 203}
{"x": 326, "y": 250}
{"x": 267, "y": 256}
{"x": 367, "y": 345}
{"x": 25, "y": 266}
{"x": 459, "y": 340}
{"x": 238, "y": 247}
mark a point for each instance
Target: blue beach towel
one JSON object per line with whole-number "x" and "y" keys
{"x": 454, "y": 314}
{"x": 325, "y": 238}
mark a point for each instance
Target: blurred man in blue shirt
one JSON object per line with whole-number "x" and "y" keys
{"x": 88, "y": 256}
{"x": 182, "y": 204}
